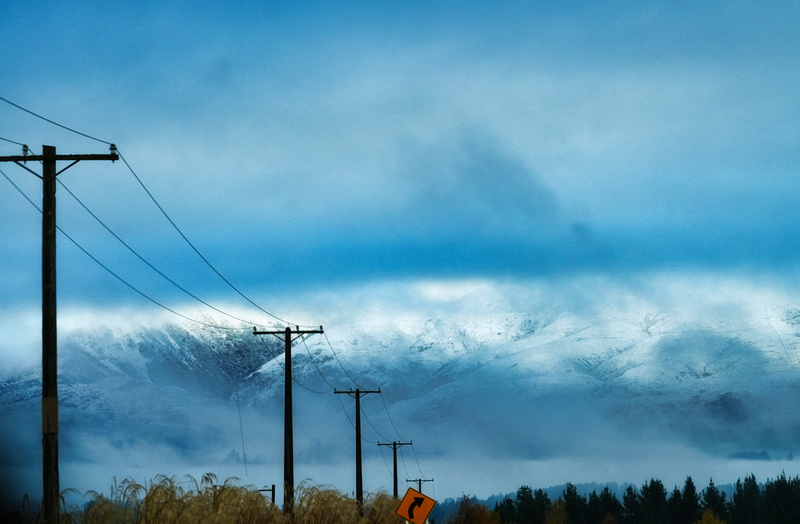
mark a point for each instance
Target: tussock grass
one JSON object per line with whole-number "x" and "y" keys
{"x": 165, "y": 501}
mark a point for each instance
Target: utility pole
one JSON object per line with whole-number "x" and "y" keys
{"x": 396, "y": 445}
{"x": 357, "y": 394}
{"x": 271, "y": 490}
{"x": 288, "y": 431}
{"x": 48, "y": 158}
{"x": 419, "y": 482}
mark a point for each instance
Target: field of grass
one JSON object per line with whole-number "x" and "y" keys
{"x": 165, "y": 501}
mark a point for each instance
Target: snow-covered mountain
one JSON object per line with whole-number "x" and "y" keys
{"x": 513, "y": 372}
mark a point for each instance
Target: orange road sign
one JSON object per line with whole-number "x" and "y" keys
{"x": 415, "y": 506}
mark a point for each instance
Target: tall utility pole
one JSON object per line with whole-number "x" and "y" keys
{"x": 48, "y": 158}
{"x": 419, "y": 482}
{"x": 288, "y": 431}
{"x": 357, "y": 394}
{"x": 396, "y": 445}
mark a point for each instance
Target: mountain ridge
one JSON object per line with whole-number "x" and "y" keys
{"x": 510, "y": 373}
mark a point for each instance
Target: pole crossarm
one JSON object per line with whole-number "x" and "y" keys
{"x": 20, "y": 160}
{"x": 73, "y": 158}
{"x": 281, "y": 333}
{"x": 395, "y": 444}
{"x": 356, "y": 393}
{"x": 419, "y": 482}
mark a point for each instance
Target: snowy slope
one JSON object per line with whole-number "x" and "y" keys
{"x": 528, "y": 371}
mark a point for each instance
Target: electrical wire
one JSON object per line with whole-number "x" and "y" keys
{"x": 414, "y": 451}
{"x": 372, "y": 425}
{"x": 340, "y": 362}
{"x": 345, "y": 412}
{"x": 175, "y": 226}
{"x": 241, "y": 430}
{"x": 11, "y": 141}
{"x": 363, "y": 438}
{"x": 403, "y": 460}
{"x": 390, "y": 417}
{"x": 383, "y": 456}
{"x": 7, "y": 101}
{"x": 148, "y": 264}
{"x": 191, "y": 245}
{"x": 112, "y": 273}
{"x": 313, "y": 361}
{"x": 194, "y": 248}
{"x": 294, "y": 379}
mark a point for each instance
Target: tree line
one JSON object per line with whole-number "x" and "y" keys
{"x": 776, "y": 501}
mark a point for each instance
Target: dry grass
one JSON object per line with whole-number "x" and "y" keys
{"x": 164, "y": 501}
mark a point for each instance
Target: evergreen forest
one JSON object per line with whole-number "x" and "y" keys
{"x": 776, "y": 501}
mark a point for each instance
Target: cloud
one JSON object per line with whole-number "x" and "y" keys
{"x": 297, "y": 147}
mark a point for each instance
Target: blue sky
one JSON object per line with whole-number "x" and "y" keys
{"x": 335, "y": 150}
{"x": 329, "y": 144}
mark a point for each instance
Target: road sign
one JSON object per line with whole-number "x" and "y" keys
{"x": 415, "y": 506}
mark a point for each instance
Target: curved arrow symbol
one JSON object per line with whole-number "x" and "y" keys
{"x": 416, "y": 504}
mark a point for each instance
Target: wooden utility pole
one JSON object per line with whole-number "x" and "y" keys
{"x": 48, "y": 158}
{"x": 419, "y": 482}
{"x": 357, "y": 394}
{"x": 271, "y": 490}
{"x": 395, "y": 445}
{"x": 288, "y": 431}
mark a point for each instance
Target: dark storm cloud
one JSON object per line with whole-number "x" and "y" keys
{"x": 528, "y": 141}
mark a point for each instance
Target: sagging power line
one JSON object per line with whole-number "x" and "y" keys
{"x": 191, "y": 245}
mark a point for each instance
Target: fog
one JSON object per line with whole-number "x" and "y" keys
{"x": 498, "y": 384}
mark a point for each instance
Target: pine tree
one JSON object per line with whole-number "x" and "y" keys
{"x": 632, "y": 506}
{"x": 506, "y": 511}
{"x": 654, "y": 502}
{"x": 675, "y": 507}
{"x": 531, "y": 505}
{"x": 575, "y": 504}
{"x": 746, "y": 507}
{"x": 604, "y": 508}
{"x": 781, "y": 499}
{"x": 690, "y": 502}
{"x": 715, "y": 500}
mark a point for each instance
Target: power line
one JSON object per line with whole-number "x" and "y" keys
{"x": 7, "y": 101}
{"x": 37, "y": 115}
{"x": 294, "y": 379}
{"x": 11, "y": 141}
{"x": 313, "y": 361}
{"x": 414, "y": 451}
{"x": 372, "y": 425}
{"x": 191, "y": 245}
{"x": 111, "y": 272}
{"x": 390, "y": 417}
{"x": 204, "y": 259}
{"x": 403, "y": 458}
{"x": 151, "y": 266}
{"x": 340, "y": 362}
